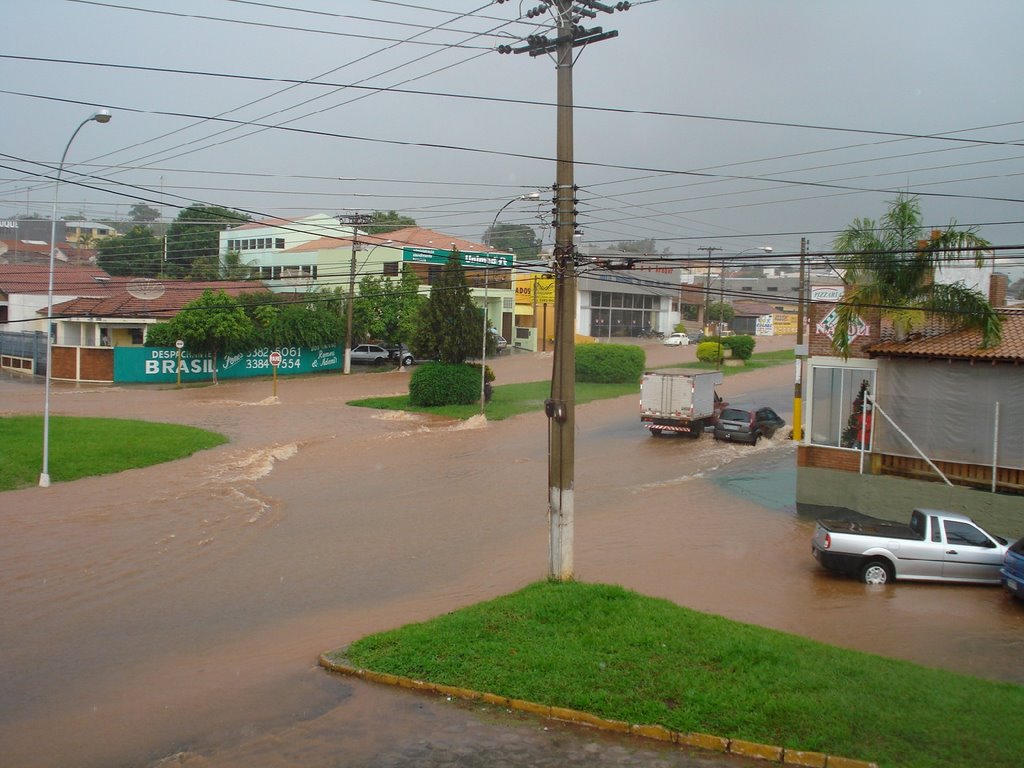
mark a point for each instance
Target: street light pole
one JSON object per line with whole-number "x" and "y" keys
{"x": 483, "y": 352}
{"x": 103, "y": 116}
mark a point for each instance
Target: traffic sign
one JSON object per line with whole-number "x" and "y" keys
{"x": 275, "y": 359}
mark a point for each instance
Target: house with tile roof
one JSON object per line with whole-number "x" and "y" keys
{"x": 93, "y": 312}
{"x": 930, "y": 420}
{"x": 317, "y": 253}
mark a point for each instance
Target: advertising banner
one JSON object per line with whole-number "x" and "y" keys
{"x": 160, "y": 365}
{"x": 469, "y": 258}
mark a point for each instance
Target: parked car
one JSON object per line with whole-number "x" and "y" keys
{"x": 399, "y": 354}
{"x": 677, "y": 340}
{"x": 935, "y": 546}
{"x": 747, "y": 423}
{"x": 373, "y": 354}
{"x": 500, "y": 341}
{"x": 697, "y": 338}
{"x": 1012, "y": 572}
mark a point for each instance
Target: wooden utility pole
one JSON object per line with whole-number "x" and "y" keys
{"x": 560, "y": 407}
{"x": 355, "y": 220}
{"x": 707, "y": 286}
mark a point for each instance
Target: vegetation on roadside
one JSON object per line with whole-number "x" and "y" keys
{"x": 510, "y": 400}
{"x": 609, "y": 363}
{"x": 614, "y": 653}
{"x": 84, "y": 447}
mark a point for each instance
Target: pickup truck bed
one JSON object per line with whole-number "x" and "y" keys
{"x": 872, "y": 527}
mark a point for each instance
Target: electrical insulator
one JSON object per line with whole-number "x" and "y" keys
{"x": 623, "y": 6}
{"x": 504, "y": 49}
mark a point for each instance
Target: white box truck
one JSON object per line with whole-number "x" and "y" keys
{"x": 676, "y": 400}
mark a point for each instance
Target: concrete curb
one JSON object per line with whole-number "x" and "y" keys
{"x": 767, "y": 752}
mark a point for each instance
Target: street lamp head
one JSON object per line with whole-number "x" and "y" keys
{"x": 766, "y": 248}
{"x": 531, "y": 196}
{"x": 103, "y": 116}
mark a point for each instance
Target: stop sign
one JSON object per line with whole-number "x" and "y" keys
{"x": 275, "y": 359}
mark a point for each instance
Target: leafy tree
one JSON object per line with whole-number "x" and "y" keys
{"x": 1016, "y": 289}
{"x": 388, "y": 309}
{"x": 450, "y": 326}
{"x": 387, "y": 221}
{"x": 194, "y": 234}
{"x": 212, "y": 267}
{"x": 137, "y": 253}
{"x": 639, "y": 246}
{"x": 289, "y": 320}
{"x": 891, "y": 265}
{"x": 720, "y": 309}
{"x": 214, "y": 323}
{"x": 520, "y": 239}
{"x": 142, "y": 213}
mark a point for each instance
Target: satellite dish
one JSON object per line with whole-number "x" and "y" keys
{"x": 146, "y": 288}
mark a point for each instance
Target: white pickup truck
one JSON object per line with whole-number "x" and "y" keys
{"x": 936, "y": 546}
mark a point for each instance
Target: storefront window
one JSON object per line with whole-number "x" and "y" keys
{"x": 839, "y": 415}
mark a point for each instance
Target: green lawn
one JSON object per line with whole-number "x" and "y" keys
{"x": 82, "y": 447}
{"x": 512, "y": 399}
{"x": 622, "y": 656}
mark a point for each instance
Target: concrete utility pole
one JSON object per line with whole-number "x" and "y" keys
{"x": 801, "y": 351}
{"x": 560, "y": 407}
{"x": 355, "y": 220}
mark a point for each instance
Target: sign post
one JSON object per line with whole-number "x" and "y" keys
{"x": 275, "y": 360}
{"x": 179, "y": 344}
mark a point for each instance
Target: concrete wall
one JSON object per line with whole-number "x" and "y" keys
{"x": 893, "y": 498}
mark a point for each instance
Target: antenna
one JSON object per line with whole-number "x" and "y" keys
{"x": 145, "y": 288}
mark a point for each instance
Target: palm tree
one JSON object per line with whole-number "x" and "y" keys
{"x": 891, "y": 265}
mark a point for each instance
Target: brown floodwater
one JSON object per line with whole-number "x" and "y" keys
{"x": 176, "y": 612}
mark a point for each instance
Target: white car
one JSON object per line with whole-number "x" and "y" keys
{"x": 677, "y": 340}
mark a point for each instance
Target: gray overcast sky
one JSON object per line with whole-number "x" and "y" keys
{"x": 684, "y": 75}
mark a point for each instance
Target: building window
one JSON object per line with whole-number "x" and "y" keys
{"x": 279, "y": 242}
{"x": 773, "y": 288}
{"x": 839, "y": 418}
{"x": 390, "y": 269}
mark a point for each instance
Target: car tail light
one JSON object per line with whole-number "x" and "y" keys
{"x": 828, "y": 541}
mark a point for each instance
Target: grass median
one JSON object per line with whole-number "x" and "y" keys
{"x": 622, "y": 656}
{"x": 82, "y": 447}
{"x": 513, "y": 399}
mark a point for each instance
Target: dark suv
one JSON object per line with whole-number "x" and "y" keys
{"x": 747, "y": 423}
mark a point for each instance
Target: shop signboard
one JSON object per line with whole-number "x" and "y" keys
{"x": 159, "y": 365}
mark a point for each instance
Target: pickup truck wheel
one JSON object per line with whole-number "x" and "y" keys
{"x": 876, "y": 572}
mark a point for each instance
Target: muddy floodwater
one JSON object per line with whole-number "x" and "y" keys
{"x": 173, "y": 615}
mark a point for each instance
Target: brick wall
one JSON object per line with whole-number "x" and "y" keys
{"x": 827, "y": 458}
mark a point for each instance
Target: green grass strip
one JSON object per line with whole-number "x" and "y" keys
{"x": 513, "y": 399}
{"x": 623, "y": 656}
{"x": 83, "y": 447}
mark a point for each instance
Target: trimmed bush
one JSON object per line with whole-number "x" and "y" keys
{"x": 709, "y": 351}
{"x": 742, "y": 346}
{"x": 609, "y": 363}
{"x": 444, "y": 384}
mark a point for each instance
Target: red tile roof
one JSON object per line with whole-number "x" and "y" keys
{"x": 126, "y": 300}
{"x": 961, "y": 344}
{"x": 67, "y": 279}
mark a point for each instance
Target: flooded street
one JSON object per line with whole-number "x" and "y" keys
{"x": 178, "y": 611}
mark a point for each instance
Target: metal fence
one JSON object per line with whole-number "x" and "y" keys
{"x": 30, "y": 345}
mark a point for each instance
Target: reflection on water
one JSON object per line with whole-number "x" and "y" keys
{"x": 179, "y": 610}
